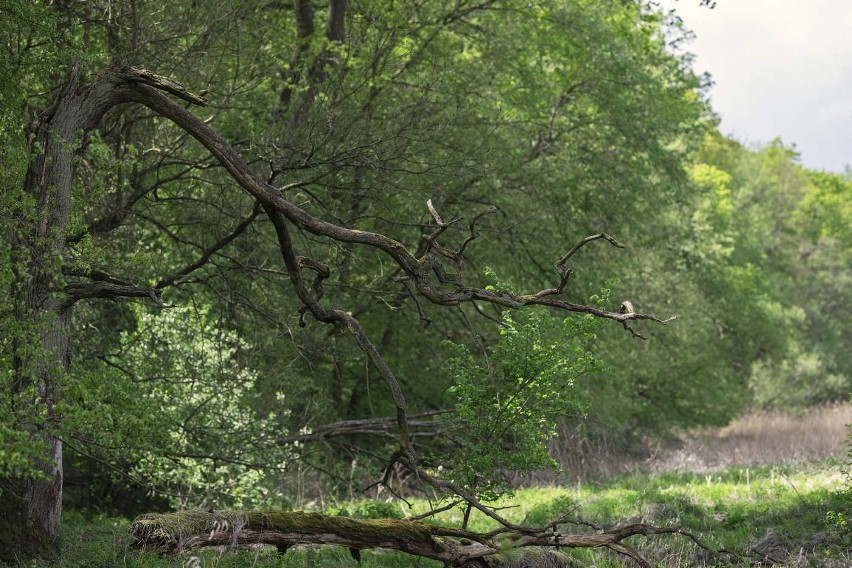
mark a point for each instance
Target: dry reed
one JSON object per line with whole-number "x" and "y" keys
{"x": 764, "y": 438}
{"x": 761, "y": 438}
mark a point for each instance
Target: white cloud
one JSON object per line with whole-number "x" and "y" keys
{"x": 781, "y": 68}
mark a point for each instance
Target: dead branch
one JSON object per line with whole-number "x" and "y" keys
{"x": 418, "y": 270}
{"x": 145, "y": 77}
{"x": 184, "y": 530}
{"x": 109, "y": 290}
{"x": 209, "y": 252}
{"x": 420, "y": 424}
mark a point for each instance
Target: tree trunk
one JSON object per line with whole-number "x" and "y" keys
{"x": 181, "y": 531}
{"x": 30, "y": 509}
{"x": 31, "y": 505}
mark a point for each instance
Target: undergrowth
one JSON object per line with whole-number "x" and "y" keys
{"x": 765, "y": 515}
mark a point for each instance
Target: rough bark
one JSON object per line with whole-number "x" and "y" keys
{"x": 31, "y": 507}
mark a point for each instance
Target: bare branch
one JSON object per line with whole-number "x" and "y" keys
{"x": 577, "y": 247}
{"x": 138, "y": 75}
{"x": 344, "y": 318}
{"x": 418, "y": 269}
{"x": 435, "y": 214}
{"x": 109, "y": 290}
{"x": 565, "y": 272}
{"x": 381, "y": 426}
{"x": 433, "y": 512}
{"x": 185, "y": 530}
{"x": 472, "y": 227}
{"x": 209, "y": 252}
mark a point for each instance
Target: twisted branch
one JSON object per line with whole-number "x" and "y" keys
{"x": 184, "y": 530}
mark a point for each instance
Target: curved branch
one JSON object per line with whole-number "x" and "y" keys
{"x": 77, "y": 292}
{"x": 209, "y": 252}
{"x": 114, "y": 86}
{"x": 340, "y": 317}
{"x": 104, "y": 285}
{"x": 381, "y": 426}
{"x": 419, "y": 270}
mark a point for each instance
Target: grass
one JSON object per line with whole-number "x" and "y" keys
{"x": 764, "y": 438}
{"x": 759, "y": 512}
{"x": 764, "y": 514}
{"x": 760, "y": 438}
{"x": 748, "y": 488}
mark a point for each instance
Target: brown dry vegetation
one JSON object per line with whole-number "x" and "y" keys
{"x": 761, "y": 438}
{"x": 764, "y": 438}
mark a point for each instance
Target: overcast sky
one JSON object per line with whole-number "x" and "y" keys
{"x": 782, "y": 68}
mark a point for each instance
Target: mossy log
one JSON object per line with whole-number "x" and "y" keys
{"x": 177, "y": 532}
{"x": 181, "y": 531}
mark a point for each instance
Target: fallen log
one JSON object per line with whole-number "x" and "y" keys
{"x": 178, "y": 532}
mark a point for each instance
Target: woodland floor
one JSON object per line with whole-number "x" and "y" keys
{"x": 768, "y": 488}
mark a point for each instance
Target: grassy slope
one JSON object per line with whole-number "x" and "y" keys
{"x": 779, "y": 512}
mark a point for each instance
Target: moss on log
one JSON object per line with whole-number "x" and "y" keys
{"x": 173, "y": 527}
{"x": 183, "y": 530}
{"x": 176, "y": 532}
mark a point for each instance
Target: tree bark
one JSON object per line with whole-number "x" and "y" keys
{"x": 178, "y": 532}
{"x": 31, "y": 505}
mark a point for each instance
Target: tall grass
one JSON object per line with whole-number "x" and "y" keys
{"x": 764, "y": 438}
{"x": 761, "y": 438}
{"x": 765, "y": 515}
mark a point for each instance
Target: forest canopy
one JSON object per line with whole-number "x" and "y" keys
{"x": 246, "y": 240}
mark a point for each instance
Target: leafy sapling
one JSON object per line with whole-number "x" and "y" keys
{"x": 509, "y": 403}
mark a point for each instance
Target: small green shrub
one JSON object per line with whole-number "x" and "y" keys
{"x": 562, "y": 506}
{"x": 369, "y": 510}
{"x": 508, "y": 402}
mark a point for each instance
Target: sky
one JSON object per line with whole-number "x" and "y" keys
{"x": 782, "y": 68}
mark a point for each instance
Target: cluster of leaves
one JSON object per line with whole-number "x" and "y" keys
{"x": 780, "y": 284}
{"x": 509, "y": 401}
{"x": 174, "y": 401}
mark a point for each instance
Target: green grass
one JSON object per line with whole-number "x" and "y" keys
{"x": 776, "y": 512}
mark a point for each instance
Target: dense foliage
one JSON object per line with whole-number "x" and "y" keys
{"x": 572, "y": 117}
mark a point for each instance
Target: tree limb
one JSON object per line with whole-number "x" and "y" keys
{"x": 109, "y": 290}
{"x": 209, "y": 252}
{"x": 184, "y": 530}
{"x": 381, "y": 426}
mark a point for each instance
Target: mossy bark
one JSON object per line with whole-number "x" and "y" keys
{"x": 183, "y": 530}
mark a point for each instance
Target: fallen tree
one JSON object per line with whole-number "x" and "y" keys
{"x": 181, "y": 531}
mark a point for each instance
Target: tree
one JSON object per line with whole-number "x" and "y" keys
{"x": 81, "y": 107}
{"x": 55, "y": 221}
{"x": 783, "y": 281}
